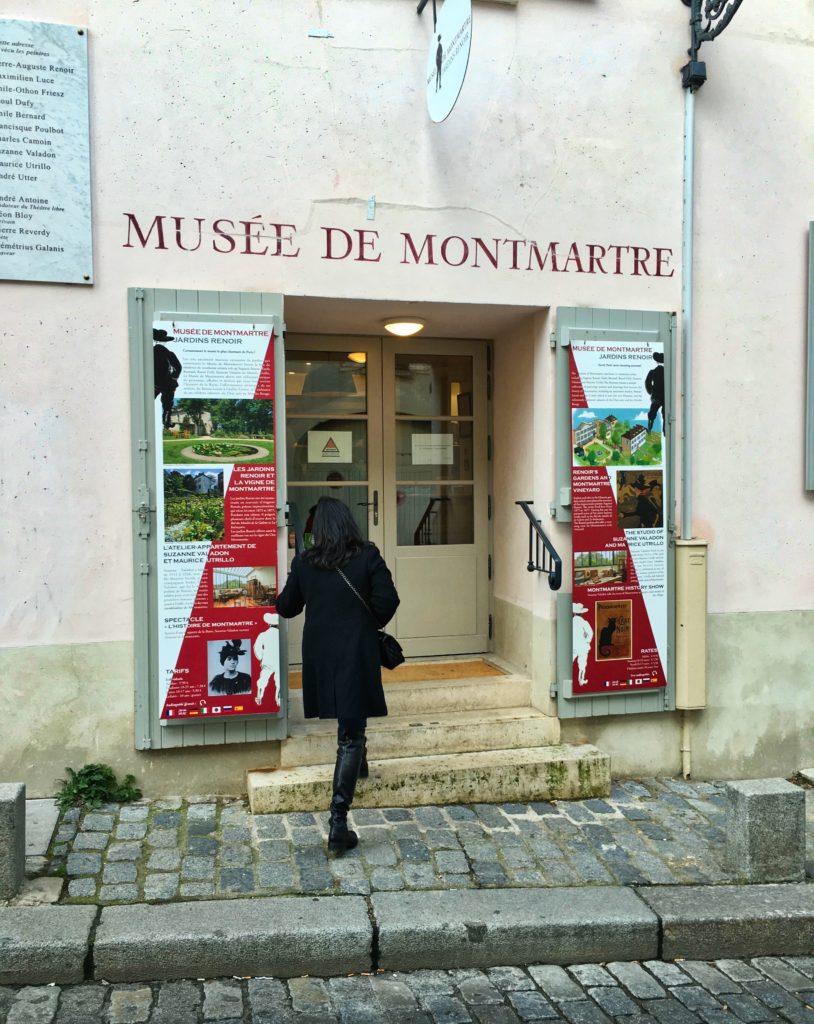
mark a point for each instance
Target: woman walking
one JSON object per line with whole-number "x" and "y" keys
{"x": 341, "y": 668}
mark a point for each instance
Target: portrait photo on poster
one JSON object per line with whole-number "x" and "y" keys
{"x": 229, "y": 667}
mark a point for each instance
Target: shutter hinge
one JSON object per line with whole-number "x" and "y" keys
{"x": 489, "y": 507}
{"x": 489, "y": 564}
{"x": 490, "y": 627}
{"x": 553, "y": 339}
{"x": 146, "y": 742}
{"x": 143, "y": 444}
{"x": 144, "y": 569}
{"x": 488, "y": 447}
{"x": 553, "y": 691}
{"x": 139, "y": 295}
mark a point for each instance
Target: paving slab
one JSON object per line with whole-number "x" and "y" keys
{"x": 283, "y": 937}
{"x": 41, "y": 818}
{"x": 490, "y": 927}
{"x": 714, "y": 922}
{"x": 41, "y": 945}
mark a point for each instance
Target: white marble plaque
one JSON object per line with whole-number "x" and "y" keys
{"x": 45, "y": 218}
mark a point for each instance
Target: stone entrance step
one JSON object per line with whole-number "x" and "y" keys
{"x": 570, "y": 772}
{"x": 439, "y": 695}
{"x": 313, "y": 742}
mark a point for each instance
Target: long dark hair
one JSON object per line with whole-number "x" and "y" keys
{"x": 336, "y": 536}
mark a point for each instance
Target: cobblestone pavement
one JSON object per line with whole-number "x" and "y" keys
{"x": 766, "y": 989}
{"x": 659, "y": 831}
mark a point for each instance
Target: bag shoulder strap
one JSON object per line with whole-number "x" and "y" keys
{"x": 364, "y": 602}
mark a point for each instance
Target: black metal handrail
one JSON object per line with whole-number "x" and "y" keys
{"x": 423, "y": 532}
{"x": 551, "y": 561}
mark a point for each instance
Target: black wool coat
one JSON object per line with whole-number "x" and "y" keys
{"x": 341, "y": 670}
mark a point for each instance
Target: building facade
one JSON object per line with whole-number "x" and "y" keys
{"x": 257, "y": 147}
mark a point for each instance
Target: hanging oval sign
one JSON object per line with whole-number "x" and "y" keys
{"x": 448, "y": 57}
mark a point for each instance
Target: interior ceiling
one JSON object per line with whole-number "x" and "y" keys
{"x": 308, "y": 315}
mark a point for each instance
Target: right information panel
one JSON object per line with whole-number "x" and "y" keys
{"x": 619, "y": 535}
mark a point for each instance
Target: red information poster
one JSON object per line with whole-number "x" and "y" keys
{"x": 618, "y": 530}
{"x": 216, "y": 499}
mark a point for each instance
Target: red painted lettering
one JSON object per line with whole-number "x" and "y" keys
{"x": 573, "y": 254}
{"x": 367, "y": 243}
{"x": 492, "y": 257}
{"x": 464, "y": 251}
{"x": 133, "y": 224}
{"x": 223, "y": 234}
{"x": 178, "y": 222}
{"x": 251, "y": 232}
{"x": 596, "y": 260}
{"x": 640, "y": 261}
{"x": 662, "y": 262}
{"x": 329, "y": 243}
{"x": 426, "y": 244}
{"x": 541, "y": 262}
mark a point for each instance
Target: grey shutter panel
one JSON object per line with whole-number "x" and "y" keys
{"x": 144, "y": 306}
{"x": 617, "y": 325}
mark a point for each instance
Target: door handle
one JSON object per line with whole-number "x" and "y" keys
{"x": 375, "y": 504}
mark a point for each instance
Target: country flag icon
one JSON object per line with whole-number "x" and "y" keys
{"x": 228, "y": 707}
{"x": 215, "y": 711}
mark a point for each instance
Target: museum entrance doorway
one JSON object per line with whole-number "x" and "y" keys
{"x": 397, "y": 429}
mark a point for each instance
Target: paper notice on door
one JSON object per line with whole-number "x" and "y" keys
{"x": 432, "y": 449}
{"x": 330, "y": 446}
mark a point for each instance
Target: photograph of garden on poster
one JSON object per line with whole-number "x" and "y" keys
{"x": 205, "y": 430}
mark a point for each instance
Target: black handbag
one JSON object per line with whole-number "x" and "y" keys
{"x": 390, "y": 652}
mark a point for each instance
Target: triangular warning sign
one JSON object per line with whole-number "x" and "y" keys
{"x": 331, "y": 447}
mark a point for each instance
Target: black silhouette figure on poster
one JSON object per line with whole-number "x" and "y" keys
{"x": 230, "y": 681}
{"x": 439, "y": 58}
{"x": 654, "y": 385}
{"x": 606, "y": 638}
{"x": 166, "y": 371}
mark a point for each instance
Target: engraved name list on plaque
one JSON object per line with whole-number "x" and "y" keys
{"x": 45, "y": 210}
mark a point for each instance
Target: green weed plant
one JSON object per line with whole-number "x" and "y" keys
{"x": 95, "y": 784}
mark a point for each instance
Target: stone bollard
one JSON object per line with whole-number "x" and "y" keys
{"x": 766, "y": 830}
{"x": 12, "y": 838}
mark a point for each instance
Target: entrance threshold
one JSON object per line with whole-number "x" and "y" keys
{"x": 425, "y": 669}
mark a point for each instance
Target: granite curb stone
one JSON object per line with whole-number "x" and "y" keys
{"x": 487, "y": 927}
{"x": 271, "y": 936}
{"x": 41, "y": 945}
{"x": 12, "y": 838}
{"x": 711, "y": 922}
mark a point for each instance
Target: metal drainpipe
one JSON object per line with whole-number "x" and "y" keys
{"x": 686, "y": 365}
{"x": 686, "y": 315}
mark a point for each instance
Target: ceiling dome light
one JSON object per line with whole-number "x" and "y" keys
{"x": 405, "y": 326}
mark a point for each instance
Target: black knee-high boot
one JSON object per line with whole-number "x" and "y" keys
{"x": 349, "y": 753}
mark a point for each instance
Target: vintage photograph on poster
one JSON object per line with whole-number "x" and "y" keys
{"x": 236, "y": 587}
{"x": 600, "y": 568}
{"x": 202, "y": 430}
{"x": 613, "y": 631}
{"x": 639, "y": 499}
{"x": 229, "y": 664}
{"x": 193, "y": 504}
{"x": 616, "y": 437}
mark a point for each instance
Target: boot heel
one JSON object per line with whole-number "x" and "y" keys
{"x": 340, "y": 840}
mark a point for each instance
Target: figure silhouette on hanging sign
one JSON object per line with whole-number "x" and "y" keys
{"x": 439, "y": 57}
{"x": 583, "y": 636}
{"x": 267, "y": 652}
{"x": 654, "y": 386}
{"x": 166, "y": 371}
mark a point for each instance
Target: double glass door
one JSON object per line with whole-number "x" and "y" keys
{"x": 396, "y": 428}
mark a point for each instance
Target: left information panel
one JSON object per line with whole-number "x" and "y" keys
{"x": 216, "y": 505}
{"x": 45, "y": 208}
